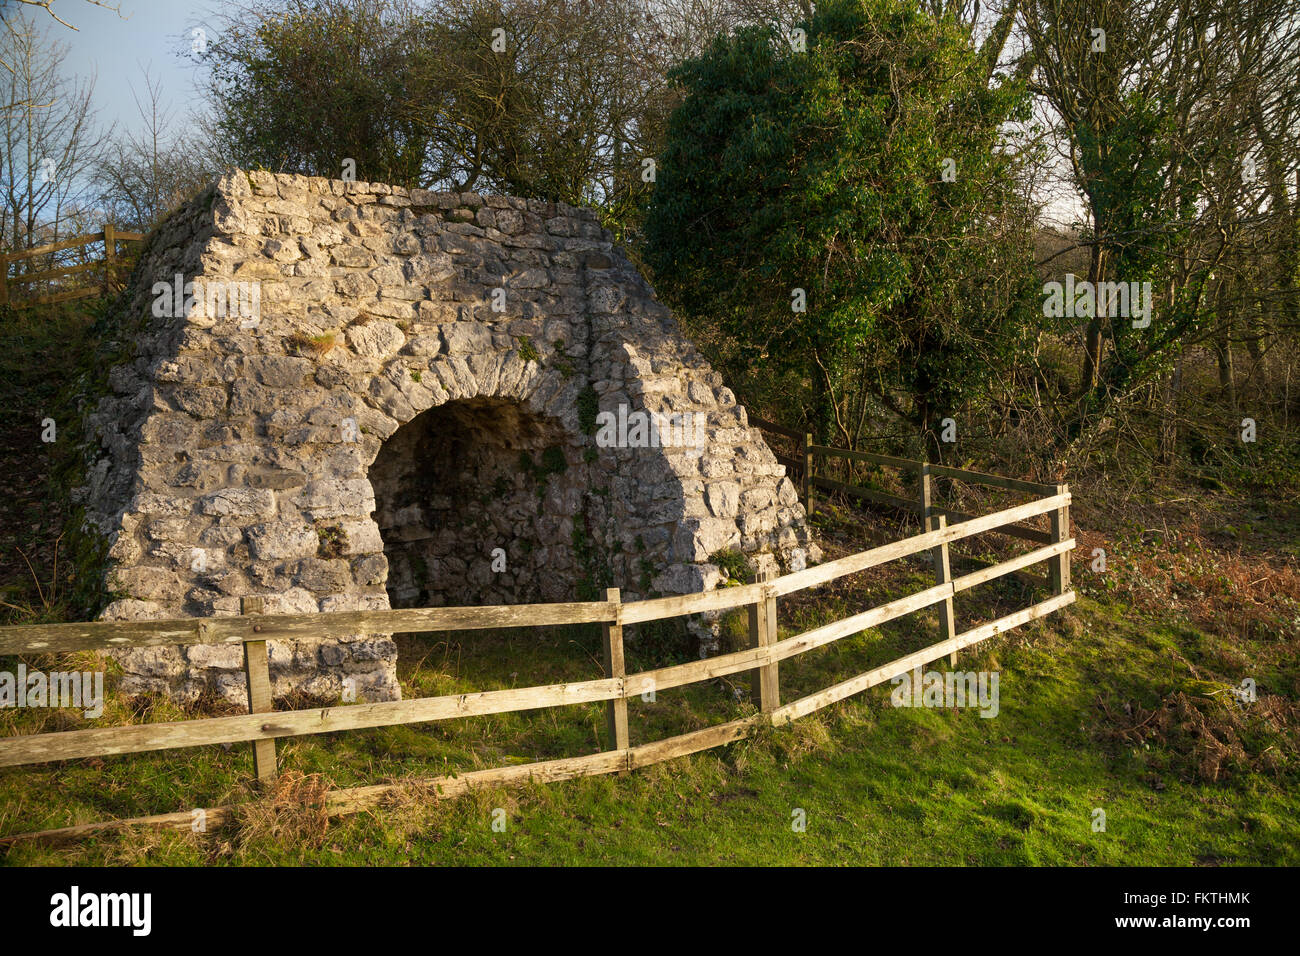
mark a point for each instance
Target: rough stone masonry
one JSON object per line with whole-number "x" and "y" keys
{"x": 347, "y": 396}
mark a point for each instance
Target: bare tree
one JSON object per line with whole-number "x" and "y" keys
{"x": 11, "y": 22}
{"x": 48, "y": 142}
{"x": 143, "y": 175}
{"x": 48, "y": 7}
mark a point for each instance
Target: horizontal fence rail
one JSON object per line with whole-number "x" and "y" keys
{"x": 263, "y": 726}
{"x": 109, "y": 635}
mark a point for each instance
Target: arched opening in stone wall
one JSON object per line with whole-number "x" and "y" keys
{"x": 476, "y": 502}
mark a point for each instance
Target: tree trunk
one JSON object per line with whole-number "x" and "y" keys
{"x": 1227, "y": 382}
{"x": 1093, "y": 343}
{"x": 1223, "y": 346}
{"x": 1169, "y": 416}
{"x": 1288, "y": 257}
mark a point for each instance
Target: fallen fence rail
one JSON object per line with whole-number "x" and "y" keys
{"x": 263, "y": 726}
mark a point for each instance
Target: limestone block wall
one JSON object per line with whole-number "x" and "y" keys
{"x": 370, "y": 397}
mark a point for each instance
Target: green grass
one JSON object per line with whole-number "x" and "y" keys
{"x": 878, "y": 785}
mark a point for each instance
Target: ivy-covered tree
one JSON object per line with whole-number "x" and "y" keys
{"x": 1153, "y": 106}
{"x": 836, "y": 201}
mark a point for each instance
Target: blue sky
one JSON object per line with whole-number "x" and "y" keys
{"x": 117, "y": 46}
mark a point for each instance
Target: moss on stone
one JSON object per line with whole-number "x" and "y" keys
{"x": 333, "y": 541}
{"x": 733, "y": 564}
{"x": 527, "y": 350}
{"x": 588, "y": 409}
{"x": 596, "y": 574}
{"x": 551, "y": 462}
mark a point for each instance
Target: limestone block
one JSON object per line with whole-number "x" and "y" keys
{"x": 335, "y": 498}
{"x": 242, "y": 502}
{"x": 282, "y": 540}
{"x": 461, "y": 338}
{"x": 376, "y": 339}
{"x": 723, "y": 498}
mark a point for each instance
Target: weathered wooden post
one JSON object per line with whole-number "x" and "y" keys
{"x": 765, "y": 681}
{"x": 110, "y": 251}
{"x": 942, "y": 575}
{"x": 4, "y": 280}
{"x": 257, "y": 671}
{"x": 923, "y": 480}
{"x": 1060, "y": 565}
{"x": 615, "y": 710}
{"x": 939, "y": 555}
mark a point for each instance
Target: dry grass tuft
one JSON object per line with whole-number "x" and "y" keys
{"x": 1220, "y": 564}
{"x": 293, "y": 811}
{"x": 314, "y": 345}
{"x": 810, "y": 735}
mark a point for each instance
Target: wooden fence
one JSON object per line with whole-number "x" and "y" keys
{"x": 110, "y": 237}
{"x": 263, "y": 727}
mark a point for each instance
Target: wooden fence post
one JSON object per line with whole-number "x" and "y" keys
{"x": 4, "y": 280}
{"x": 942, "y": 575}
{"x": 1060, "y": 565}
{"x": 615, "y": 710}
{"x": 939, "y": 555}
{"x": 923, "y": 481}
{"x": 807, "y": 473}
{"x": 926, "y": 492}
{"x": 110, "y": 250}
{"x": 257, "y": 671}
{"x": 765, "y": 681}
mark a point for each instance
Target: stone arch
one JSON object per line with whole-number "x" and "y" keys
{"x": 233, "y": 455}
{"x": 477, "y": 500}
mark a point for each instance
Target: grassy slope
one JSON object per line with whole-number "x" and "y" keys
{"x": 879, "y": 785}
